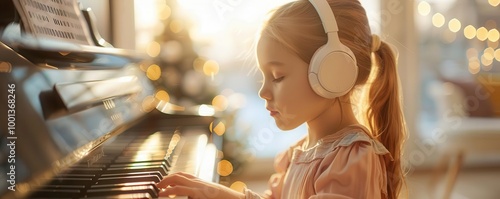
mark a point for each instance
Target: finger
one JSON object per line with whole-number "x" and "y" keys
{"x": 179, "y": 191}
{"x": 176, "y": 179}
{"x": 187, "y": 175}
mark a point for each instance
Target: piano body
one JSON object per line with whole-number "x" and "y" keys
{"x": 83, "y": 124}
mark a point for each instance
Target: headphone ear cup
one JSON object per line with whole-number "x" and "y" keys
{"x": 332, "y": 72}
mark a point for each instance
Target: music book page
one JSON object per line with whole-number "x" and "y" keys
{"x": 54, "y": 19}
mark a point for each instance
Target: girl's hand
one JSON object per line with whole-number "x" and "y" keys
{"x": 184, "y": 184}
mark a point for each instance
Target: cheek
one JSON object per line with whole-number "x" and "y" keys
{"x": 298, "y": 101}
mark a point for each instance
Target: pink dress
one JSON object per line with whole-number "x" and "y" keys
{"x": 347, "y": 164}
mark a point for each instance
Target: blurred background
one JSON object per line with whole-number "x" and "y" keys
{"x": 202, "y": 52}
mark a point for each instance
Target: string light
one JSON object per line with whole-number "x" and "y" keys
{"x": 493, "y": 35}
{"x": 469, "y": 32}
{"x": 454, "y": 25}
{"x": 494, "y": 3}
{"x": 482, "y": 34}
{"x": 438, "y": 20}
{"x": 424, "y": 8}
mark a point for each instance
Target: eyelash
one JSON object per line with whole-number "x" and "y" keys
{"x": 278, "y": 79}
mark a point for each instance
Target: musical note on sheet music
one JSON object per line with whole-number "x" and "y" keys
{"x": 54, "y": 19}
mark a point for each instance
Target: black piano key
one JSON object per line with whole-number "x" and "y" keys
{"x": 163, "y": 170}
{"x": 152, "y": 173}
{"x": 84, "y": 171}
{"x": 71, "y": 181}
{"x": 125, "y": 179}
{"x": 125, "y": 196}
{"x": 75, "y": 175}
{"x": 81, "y": 187}
{"x": 152, "y": 190}
{"x": 140, "y": 164}
{"x": 57, "y": 193}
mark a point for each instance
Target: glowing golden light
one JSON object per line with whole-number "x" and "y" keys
{"x": 497, "y": 55}
{"x": 153, "y": 49}
{"x": 469, "y": 32}
{"x": 153, "y": 72}
{"x": 438, "y": 20}
{"x": 220, "y": 102}
{"x": 198, "y": 64}
{"x": 210, "y": 68}
{"x": 489, "y": 54}
{"x": 163, "y": 96}
{"x": 474, "y": 65}
{"x": 219, "y": 128}
{"x": 471, "y": 52}
{"x": 482, "y": 33}
{"x": 164, "y": 12}
{"x": 424, "y": 8}
{"x": 486, "y": 61}
{"x": 176, "y": 26}
{"x": 493, "y": 35}
{"x": 238, "y": 186}
{"x": 224, "y": 168}
{"x": 454, "y": 25}
{"x": 494, "y": 2}
{"x": 206, "y": 110}
{"x": 148, "y": 103}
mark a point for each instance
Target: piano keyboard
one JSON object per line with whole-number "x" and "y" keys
{"x": 130, "y": 165}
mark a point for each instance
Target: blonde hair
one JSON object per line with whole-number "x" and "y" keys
{"x": 297, "y": 26}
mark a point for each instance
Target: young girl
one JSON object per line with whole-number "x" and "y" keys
{"x": 342, "y": 156}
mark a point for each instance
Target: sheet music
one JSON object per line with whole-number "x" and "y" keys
{"x": 54, "y": 19}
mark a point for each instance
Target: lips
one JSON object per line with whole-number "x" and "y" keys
{"x": 272, "y": 112}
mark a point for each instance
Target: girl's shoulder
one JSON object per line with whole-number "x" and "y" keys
{"x": 345, "y": 138}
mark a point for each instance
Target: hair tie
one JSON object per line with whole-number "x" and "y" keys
{"x": 376, "y": 42}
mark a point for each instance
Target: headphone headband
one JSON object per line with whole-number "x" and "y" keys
{"x": 326, "y": 14}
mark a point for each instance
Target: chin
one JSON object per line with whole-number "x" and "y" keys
{"x": 286, "y": 126}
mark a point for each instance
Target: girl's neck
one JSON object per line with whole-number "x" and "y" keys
{"x": 330, "y": 121}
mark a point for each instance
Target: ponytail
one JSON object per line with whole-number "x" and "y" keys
{"x": 384, "y": 115}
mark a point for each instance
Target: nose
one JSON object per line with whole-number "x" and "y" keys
{"x": 265, "y": 92}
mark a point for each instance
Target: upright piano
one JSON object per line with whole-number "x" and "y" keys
{"x": 84, "y": 123}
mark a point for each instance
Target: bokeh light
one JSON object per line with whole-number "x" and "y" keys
{"x": 438, "y": 20}
{"x": 218, "y": 127}
{"x": 220, "y": 102}
{"x": 153, "y": 72}
{"x": 424, "y": 8}
{"x": 238, "y": 186}
{"x": 210, "y": 68}
{"x": 469, "y": 32}
{"x": 153, "y": 49}
{"x": 482, "y": 33}
{"x": 224, "y": 168}
{"x": 454, "y": 25}
{"x": 163, "y": 96}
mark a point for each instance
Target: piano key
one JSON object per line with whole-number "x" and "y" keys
{"x": 127, "y": 184}
{"x": 57, "y": 193}
{"x": 152, "y": 173}
{"x": 152, "y": 190}
{"x": 124, "y": 179}
{"x": 75, "y": 175}
{"x": 64, "y": 187}
{"x": 71, "y": 181}
{"x": 125, "y": 196}
{"x": 163, "y": 170}
{"x": 139, "y": 164}
{"x": 84, "y": 171}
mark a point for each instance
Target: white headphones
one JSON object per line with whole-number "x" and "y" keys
{"x": 333, "y": 69}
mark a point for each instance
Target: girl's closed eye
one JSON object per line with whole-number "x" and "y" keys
{"x": 279, "y": 79}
